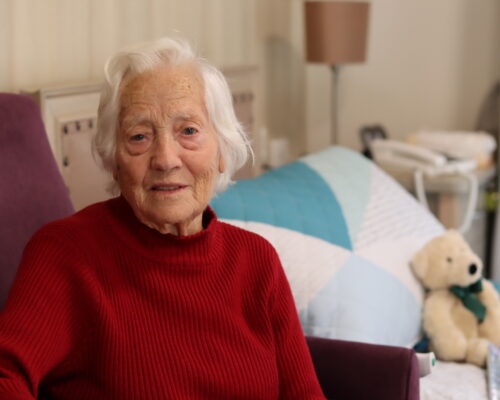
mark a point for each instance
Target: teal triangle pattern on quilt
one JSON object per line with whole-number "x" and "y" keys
{"x": 287, "y": 197}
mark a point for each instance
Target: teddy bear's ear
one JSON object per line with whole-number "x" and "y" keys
{"x": 419, "y": 264}
{"x": 453, "y": 237}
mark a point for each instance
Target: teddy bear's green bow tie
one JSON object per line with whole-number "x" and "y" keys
{"x": 469, "y": 299}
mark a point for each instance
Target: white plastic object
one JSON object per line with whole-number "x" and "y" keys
{"x": 279, "y": 152}
{"x": 405, "y": 155}
{"x": 426, "y": 363}
{"x": 448, "y": 170}
{"x": 457, "y": 144}
{"x": 425, "y": 162}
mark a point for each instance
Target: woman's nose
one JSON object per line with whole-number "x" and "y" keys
{"x": 165, "y": 155}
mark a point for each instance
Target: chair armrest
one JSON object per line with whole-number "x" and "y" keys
{"x": 351, "y": 370}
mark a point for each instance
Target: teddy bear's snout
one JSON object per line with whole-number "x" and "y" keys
{"x": 472, "y": 269}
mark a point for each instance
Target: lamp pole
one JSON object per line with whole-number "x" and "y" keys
{"x": 335, "y": 104}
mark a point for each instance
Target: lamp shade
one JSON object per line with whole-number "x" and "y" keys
{"x": 336, "y": 31}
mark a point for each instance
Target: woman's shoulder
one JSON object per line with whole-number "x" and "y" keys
{"x": 78, "y": 225}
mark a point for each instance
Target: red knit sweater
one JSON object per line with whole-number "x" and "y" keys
{"x": 105, "y": 308}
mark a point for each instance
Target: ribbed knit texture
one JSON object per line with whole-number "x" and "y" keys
{"x": 105, "y": 308}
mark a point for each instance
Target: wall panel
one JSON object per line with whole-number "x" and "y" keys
{"x": 134, "y": 24}
{"x": 57, "y": 41}
{"x": 103, "y": 33}
{"x": 5, "y": 44}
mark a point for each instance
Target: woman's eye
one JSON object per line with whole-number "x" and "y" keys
{"x": 189, "y": 131}
{"x": 138, "y": 137}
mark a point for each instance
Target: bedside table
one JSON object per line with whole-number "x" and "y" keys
{"x": 447, "y": 197}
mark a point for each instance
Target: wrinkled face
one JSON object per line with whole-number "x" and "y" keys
{"x": 167, "y": 156}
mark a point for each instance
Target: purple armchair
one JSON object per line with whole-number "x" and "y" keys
{"x": 357, "y": 371}
{"x": 33, "y": 193}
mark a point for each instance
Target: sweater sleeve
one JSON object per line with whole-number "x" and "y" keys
{"x": 297, "y": 376}
{"x": 43, "y": 317}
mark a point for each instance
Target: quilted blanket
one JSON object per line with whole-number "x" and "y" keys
{"x": 345, "y": 232}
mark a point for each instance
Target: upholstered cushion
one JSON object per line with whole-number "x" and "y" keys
{"x": 345, "y": 232}
{"x": 32, "y": 191}
{"x": 340, "y": 365}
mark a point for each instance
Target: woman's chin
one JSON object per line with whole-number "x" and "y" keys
{"x": 179, "y": 223}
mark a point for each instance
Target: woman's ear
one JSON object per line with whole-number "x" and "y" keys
{"x": 222, "y": 165}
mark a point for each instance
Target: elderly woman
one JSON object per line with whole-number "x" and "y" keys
{"x": 148, "y": 295}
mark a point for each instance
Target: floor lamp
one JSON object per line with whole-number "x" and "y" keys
{"x": 336, "y": 33}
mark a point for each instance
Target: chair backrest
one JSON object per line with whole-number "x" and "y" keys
{"x": 32, "y": 191}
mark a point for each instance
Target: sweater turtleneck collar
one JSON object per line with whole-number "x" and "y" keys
{"x": 201, "y": 248}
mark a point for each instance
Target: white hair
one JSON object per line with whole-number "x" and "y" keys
{"x": 233, "y": 143}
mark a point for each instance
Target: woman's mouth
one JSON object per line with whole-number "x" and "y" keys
{"x": 167, "y": 188}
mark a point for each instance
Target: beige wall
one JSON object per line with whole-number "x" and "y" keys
{"x": 53, "y": 41}
{"x": 429, "y": 65}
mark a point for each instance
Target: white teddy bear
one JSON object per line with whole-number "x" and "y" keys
{"x": 461, "y": 310}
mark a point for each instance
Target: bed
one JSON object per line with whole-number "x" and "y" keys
{"x": 345, "y": 232}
